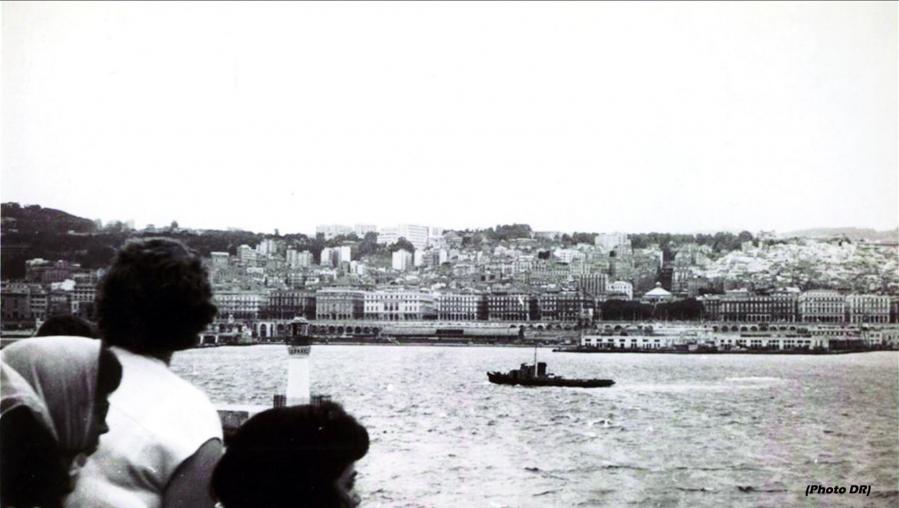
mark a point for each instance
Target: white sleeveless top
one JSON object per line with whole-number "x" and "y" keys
{"x": 156, "y": 421}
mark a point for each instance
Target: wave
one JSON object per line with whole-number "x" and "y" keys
{"x": 756, "y": 379}
{"x": 694, "y": 489}
{"x": 750, "y": 488}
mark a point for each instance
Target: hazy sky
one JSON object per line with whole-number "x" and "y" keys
{"x": 566, "y": 116}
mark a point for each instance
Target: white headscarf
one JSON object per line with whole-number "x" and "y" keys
{"x": 55, "y": 377}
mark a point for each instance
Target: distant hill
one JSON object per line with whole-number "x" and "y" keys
{"x": 851, "y": 233}
{"x": 35, "y": 219}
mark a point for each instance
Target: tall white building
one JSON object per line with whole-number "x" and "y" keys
{"x": 299, "y": 259}
{"x": 611, "y": 241}
{"x": 568, "y": 255}
{"x": 246, "y": 254}
{"x": 388, "y": 236}
{"x": 344, "y": 253}
{"x": 416, "y": 235}
{"x": 435, "y": 236}
{"x": 327, "y": 257}
{"x": 362, "y": 229}
{"x": 266, "y": 247}
{"x": 330, "y": 231}
{"x": 402, "y": 260}
{"x": 219, "y": 259}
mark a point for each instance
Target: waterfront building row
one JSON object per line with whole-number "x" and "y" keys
{"x": 718, "y": 342}
{"x": 25, "y": 303}
{"x": 816, "y": 306}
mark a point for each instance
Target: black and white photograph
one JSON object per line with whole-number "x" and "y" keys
{"x": 445, "y": 254}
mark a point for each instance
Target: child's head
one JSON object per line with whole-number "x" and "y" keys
{"x": 292, "y": 456}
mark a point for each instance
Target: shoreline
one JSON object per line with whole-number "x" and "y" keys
{"x": 557, "y": 349}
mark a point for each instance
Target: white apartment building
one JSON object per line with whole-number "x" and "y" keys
{"x": 568, "y": 255}
{"x": 297, "y": 259}
{"x": 362, "y": 229}
{"x": 330, "y": 231}
{"x": 402, "y": 260}
{"x": 388, "y": 236}
{"x": 416, "y": 235}
{"x": 266, "y": 247}
{"x": 219, "y": 259}
{"x": 246, "y": 254}
{"x": 327, "y": 257}
{"x": 611, "y": 241}
{"x": 343, "y": 253}
{"x": 333, "y": 256}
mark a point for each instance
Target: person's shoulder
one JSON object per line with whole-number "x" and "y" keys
{"x": 150, "y": 378}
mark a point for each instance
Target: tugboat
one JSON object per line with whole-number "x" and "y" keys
{"x": 536, "y": 375}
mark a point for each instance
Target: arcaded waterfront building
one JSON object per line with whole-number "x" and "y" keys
{"x": 868, "y": 308}
{"x": 822, "y": 306}
{"x": 742, "y": 306}
{"x": 399, "y": 305}
{"x": 513, "y": 306}
{"x": 566, "y": 306}
{"x": 288, "y": 304}
{"x": 238, "y": 304}
{"x": 338, "y": 303}
{"x": 460, "y": 306}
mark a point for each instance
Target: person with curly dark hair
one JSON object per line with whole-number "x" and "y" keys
{"x": 292, "y": 457}
{"x": 165, "y": 437}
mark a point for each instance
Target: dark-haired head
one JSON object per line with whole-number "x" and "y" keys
{"x": 109, "y": 376}
{"x": 66, "y": 325}
{"x": 292, "y": 456}
{"x": 155, "y": 298}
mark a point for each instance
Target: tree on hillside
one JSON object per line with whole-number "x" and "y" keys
{"x": 368, "y": 245}
{"x": 509, "y": 231}
{"x": 403, "y": 244}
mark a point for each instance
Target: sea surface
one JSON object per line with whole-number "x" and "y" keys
{"x": 698, "y": 430}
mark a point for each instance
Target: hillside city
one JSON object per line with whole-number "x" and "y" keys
{"x": 541, "y": 280}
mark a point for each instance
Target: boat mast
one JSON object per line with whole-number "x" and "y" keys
{"x": 535, "y": 359}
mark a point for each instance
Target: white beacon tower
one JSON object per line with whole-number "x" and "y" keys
{"x": 299, "y": 347}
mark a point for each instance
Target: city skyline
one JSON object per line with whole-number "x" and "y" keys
{"x": 573, "y": 117}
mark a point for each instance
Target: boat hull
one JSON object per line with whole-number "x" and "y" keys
{"x": 506, "y": 379}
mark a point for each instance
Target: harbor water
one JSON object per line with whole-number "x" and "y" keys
{"x": 700, "y": 430}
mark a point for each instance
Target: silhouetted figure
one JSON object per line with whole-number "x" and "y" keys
{"x": 293, "y": 456}
{"x": 53, "y": 410}
{"x": 66, "y": 325}
{"x": 164, "y": 435}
